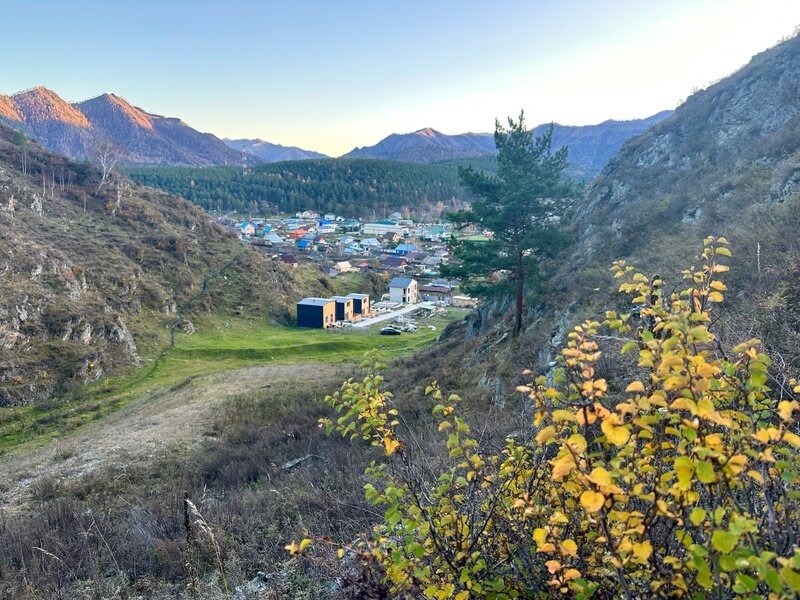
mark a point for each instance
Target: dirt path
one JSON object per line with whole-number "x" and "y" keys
{"x": 141, "y": 430}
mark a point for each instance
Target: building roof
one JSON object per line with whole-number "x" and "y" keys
{"x": 435, "y": 289}
{"x": 315, "y": 301}
{"x": 405, "y": 248}
{"x": 342, "y": 298}
{"x": 401, "y": 282}
{"x": 357, "y": 296}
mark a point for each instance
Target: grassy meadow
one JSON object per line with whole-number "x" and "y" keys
{"x": 217, "y": 345}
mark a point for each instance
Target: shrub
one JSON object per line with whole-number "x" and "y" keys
{"x": 680, "y": 479}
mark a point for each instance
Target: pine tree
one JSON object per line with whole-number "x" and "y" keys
{"x": 522, "y": 205}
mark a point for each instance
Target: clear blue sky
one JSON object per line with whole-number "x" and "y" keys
{"x": 331, "y": 75}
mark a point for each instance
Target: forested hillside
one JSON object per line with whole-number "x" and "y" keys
{"x": 353, "y": 187}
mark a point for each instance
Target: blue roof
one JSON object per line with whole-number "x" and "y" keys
{"x": 315, "y": 301}
{"x": 405, "y": 248}
{"x": 401, "y": 282}
{"x": 303, "y": 243}
{"x": 342, "y": 298}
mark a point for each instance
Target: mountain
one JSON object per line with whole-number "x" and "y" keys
{"x": 272, "y": 152}
{"x": 426, "y": 146}
{"x": 77, "y": 130}
{"x": 89, "y": 278}
{"x": 590, "y": 146}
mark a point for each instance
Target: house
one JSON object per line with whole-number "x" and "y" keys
{"x": 290, "y": 259}
{"x": 273, "y": 238}
{"x": 405, "y": 249}
{"x": 363, "y": 265}
{"x": 351, "y": 225}
{"x": 382, "y": 228}
{"x": 307, "y": 214}
{"x": 343, "y": 266}
{"x": 327, "y": 228}
{"x": 390, "y": 237}
{"x": 296, "y": 234}
{"x": 246, "y": 228}
{"x": 394, "y": 262}
{"x": 464, "y": 302}
{"x": 403, "y": 290}
{"x": 344, "y": 308}
{"x": 435, "y": 293}
{"x": 303, "y": 244}
{"x": 362, "y": 305}
{"x": 316, "y": 312}
{"x": 395, "y": 216}
{"x": 434, "y": 233}
{"x": 371, "y": 244}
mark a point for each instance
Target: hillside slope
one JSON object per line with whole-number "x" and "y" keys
{"x": 726, "y": 163}
{"x": 77, "y": 130}
{"x": 88, "y": 280}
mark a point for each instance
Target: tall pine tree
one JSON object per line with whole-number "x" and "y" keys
{"x": 522, "y": 206}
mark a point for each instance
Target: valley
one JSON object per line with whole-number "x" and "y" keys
{"x": 551, "y": 361}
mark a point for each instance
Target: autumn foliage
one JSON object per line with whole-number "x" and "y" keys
{"x": 680, "y": 480}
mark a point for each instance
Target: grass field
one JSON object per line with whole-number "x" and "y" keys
{"x": 218, "y": 345}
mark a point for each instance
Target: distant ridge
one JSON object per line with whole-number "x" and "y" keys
{"x": 76, "y": 130}
{"x": 270, "y": 152}
{"x": 590, "y": 146}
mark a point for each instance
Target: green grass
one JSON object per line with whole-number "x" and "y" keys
{"x": 218, "y": 345}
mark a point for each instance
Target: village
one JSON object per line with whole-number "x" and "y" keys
{"x": 407, "y": 254}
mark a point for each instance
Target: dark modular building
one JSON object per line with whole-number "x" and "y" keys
{"x": 344, "y": 308}
{"x": 361, "y": 304}
{"x": 316, "y": 312}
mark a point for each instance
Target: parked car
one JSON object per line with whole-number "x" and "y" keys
{"x": 390, "y": 331}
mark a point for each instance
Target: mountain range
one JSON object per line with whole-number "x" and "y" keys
{"x": 590, "y": 146}
{"x": 78, "y": 130}
{"x": 270, "y": 152}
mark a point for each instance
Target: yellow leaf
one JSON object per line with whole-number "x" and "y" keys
{"x": 548, "y": 547}
{"x": 592, "y": 501}
{"x": 599, "y": 476}
{"x": 715, "y": 297}
{"x": 635, "y": 386}
{"x": 562, "y": 466}
{"x": 569, "y": 548}
{"x": 642, "y": 552}
{"x": 617, "y": 435}
{"x": 539, "y": 536}
{"x": 445, "y": 425}
{"x": 546, "y": 434}
{"x": 571, "y": 574}
{"x": 786, "y": 408}
{"x": 553, "y": 566}
{"x": 791, "y": 438}
{"x": 391, "y": 445}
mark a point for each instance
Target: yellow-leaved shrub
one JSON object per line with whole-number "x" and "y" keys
{"x": 681, "y": 480}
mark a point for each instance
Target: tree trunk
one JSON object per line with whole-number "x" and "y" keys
{"x": 520, "y": 276}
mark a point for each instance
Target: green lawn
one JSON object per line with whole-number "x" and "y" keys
{"x": 218, "y": 345}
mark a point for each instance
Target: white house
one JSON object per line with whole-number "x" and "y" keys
{"x": 403, "y": 290}
{"x": 246, "y": 228}
{"x": 382, "y": 229}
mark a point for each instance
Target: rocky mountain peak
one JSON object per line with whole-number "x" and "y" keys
{"x": 41, "y": 104}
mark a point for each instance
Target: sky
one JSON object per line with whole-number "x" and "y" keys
{"x": 336, "y": 74}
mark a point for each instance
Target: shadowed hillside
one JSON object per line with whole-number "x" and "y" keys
{"x": 88, "y": 279}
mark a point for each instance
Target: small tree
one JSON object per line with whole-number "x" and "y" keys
{"x": 107, "y": 155}
{"x": 521, "y": 207}
{"x": 679, "y": 479}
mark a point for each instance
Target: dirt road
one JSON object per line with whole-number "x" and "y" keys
{"x": 141, "y": 430}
